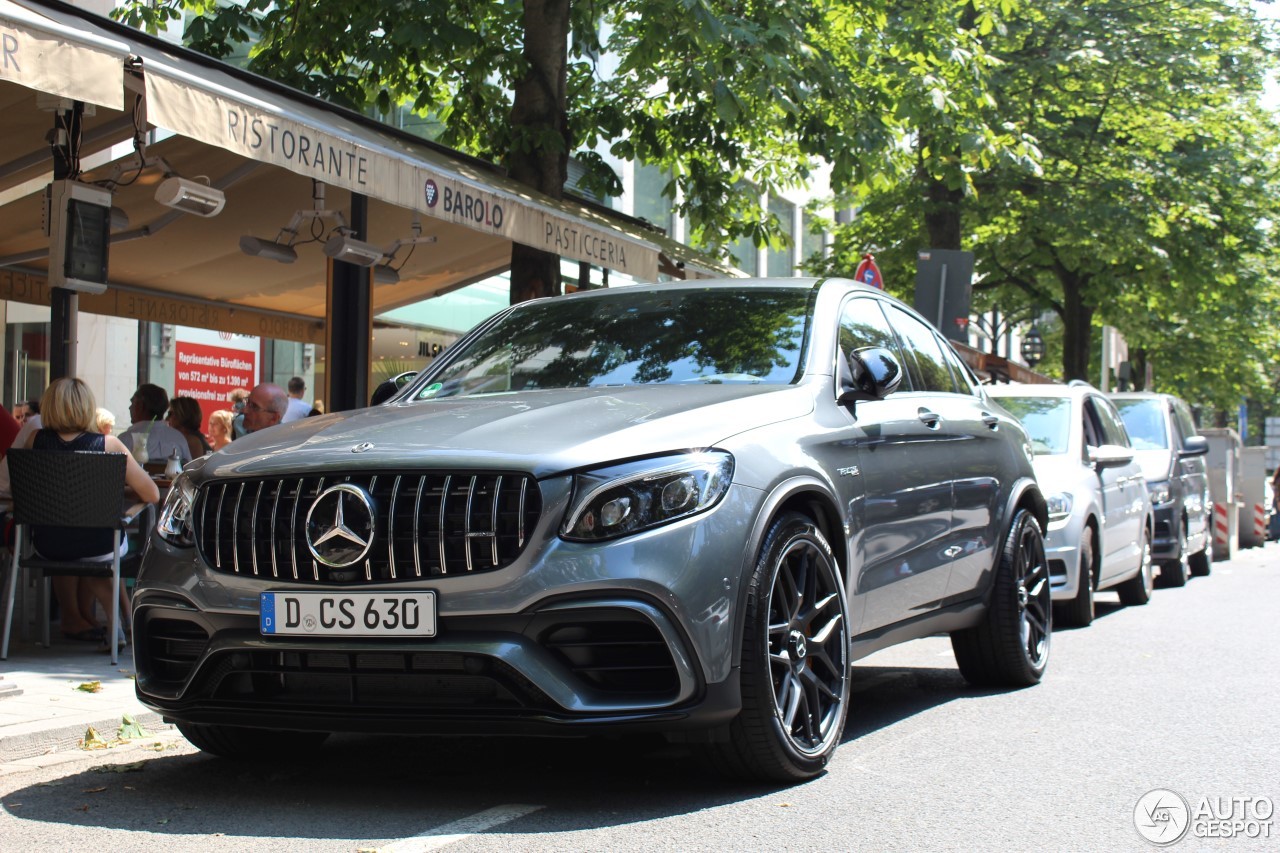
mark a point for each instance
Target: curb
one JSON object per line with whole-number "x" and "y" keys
{"x": 19, "y": 746}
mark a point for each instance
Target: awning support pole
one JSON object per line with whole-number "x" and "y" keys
{"x": 349, "y": 323}
{"x": 64, "y": 303}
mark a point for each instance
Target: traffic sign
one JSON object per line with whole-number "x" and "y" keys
{"x": 868, "y": 272}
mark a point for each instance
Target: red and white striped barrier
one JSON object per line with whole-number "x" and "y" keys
{"x": 1260, "y": 522}
{"x": 1221, "y": 528}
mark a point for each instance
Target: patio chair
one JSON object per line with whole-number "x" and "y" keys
{"x": 68, "y": 489}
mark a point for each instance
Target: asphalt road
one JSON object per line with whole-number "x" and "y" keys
{"x": 1180, "y": 694}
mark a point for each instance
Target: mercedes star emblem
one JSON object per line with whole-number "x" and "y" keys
{"x": 340, "y": 525}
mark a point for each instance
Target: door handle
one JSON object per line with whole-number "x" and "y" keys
{"x": 928, "y": 418}
{"x": 992, "y": 422}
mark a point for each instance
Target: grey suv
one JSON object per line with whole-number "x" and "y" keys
{"x": 682, "y": 508}
{"x": 1172, "y": 455}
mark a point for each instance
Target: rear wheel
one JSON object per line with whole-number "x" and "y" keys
{"x": 239, "y": 742}
{"x": 1137, "y": 589}
{"x": 1010, "y": 648}
{"x": 795, "y": 660}
{"x": 1079, "y": 610}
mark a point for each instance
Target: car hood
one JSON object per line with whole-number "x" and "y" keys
{"x": 1057, "y": 472}
{"x": 543, "y": 432}
{"x": 1156, "y": 464}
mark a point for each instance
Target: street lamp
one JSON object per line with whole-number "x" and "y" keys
{"x": 1032, "y": 347}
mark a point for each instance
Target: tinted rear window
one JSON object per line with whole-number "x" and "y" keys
{"x": 716, "y": 335}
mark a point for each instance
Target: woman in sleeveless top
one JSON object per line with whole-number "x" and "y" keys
{"x": 69, "y": 418}
{"x": 185, "y": 416}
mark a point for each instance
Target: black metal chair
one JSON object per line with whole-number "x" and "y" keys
{"x": 69, "y": 489}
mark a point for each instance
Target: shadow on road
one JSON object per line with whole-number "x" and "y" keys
{"x": 388, "y": 787}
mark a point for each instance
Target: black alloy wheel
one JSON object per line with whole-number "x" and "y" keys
{"x": 1010, "y": 647}
{"x": 795, "y": 660}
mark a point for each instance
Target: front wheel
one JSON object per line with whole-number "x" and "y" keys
{"x": 1174, "y": 573}
{"x": 1137, "y": 589}
{"x": 1010, "y": 647}
{"x": 795, "y": 660}
{"x": 1079, "y": 611}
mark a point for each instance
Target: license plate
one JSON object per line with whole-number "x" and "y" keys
{"x": 348, "y": 614}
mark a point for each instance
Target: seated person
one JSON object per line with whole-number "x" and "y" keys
{"x": 147, "y": 409}
{"x": 69, "y": 414}
{"x": 185, "y": 416}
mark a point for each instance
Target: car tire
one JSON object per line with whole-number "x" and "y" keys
{"x": 795, "y": 660}
{"x": 1137, "y": 589}
{"x": 1174, "y": 573}
{"x": 1010, "y": 647}
{"x": 240, "y": 742}
{"x": 1079, "y": 611}
{"x": 1201, "y": 562}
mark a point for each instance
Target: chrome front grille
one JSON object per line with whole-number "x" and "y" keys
{"x": 425, "y": 525}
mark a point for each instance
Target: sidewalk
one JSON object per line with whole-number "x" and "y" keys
{"x": 42, "y": 711}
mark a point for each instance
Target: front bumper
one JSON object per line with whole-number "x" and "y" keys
{"x": 1062, "y": 550}
{"x": 570, "y": 665}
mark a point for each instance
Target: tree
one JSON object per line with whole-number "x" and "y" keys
{"x": 1143, "y": 195}
{"x": 732, "y": 99}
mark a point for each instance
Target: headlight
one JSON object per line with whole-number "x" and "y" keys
{"x": 1059, "y": 506}
{"x": 174, "y": 525}
{"x": 1160, "y": 492}
{"x": 624, "y": 499}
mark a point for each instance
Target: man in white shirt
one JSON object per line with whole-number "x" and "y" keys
{"x": 298, "y": 408}
{"x": 147, "y": 409}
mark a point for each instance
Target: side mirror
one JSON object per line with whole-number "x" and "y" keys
{"x": 388, "y": 387}
{"x": 1110, "y": 456}
{"x": 870, "y": 373}
{"x": 1196, "y": 445}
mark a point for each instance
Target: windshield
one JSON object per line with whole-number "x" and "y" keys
{"x": 1047, "y": 419}
{"x": 1144, "y": 420}
{"x": 639, "y": 337}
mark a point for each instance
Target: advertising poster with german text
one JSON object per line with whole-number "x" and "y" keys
{"x": 209, "y": 372}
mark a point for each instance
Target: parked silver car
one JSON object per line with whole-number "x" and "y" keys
{"x": 1100, "y": 518}
{"x": 682, "y": 508}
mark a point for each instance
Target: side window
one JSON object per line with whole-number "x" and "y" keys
{"x": 925, "y": 362}
{"x": 1094, "y": 436}
{"x": 1113, "y": 430}
{"x": 1182, "y": 416}
{"x": 960, "y": 373}
{"x": 862, "y": 324}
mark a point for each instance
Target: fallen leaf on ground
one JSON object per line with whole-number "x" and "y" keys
{"x": 92, "y": 740}
{"x": 94, "y": 790}
{"x": 90, "y": 687}
{"x": 163, "y": 820}
{"x": 83, "y": 808}
{"x": 135, "y": 767}
{"x": 130, "y": 729}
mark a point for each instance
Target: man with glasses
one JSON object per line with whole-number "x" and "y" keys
{"x": 265, "y": 407}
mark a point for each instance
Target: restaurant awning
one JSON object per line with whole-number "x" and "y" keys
{"x": 41, "y": 54}
{"x": 265, "y": 145}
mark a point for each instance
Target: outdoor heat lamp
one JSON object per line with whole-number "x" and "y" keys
{"x": 344, "y": 247}
{"x": 190, "y": 196}
{"x": 1033, "y": 347}
{"x": 259, "y": 248}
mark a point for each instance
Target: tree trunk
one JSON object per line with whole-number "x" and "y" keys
{"x": 539, "y": 156}
{"x": 942, "y": 214}
{"x": 1077, "y": 329}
